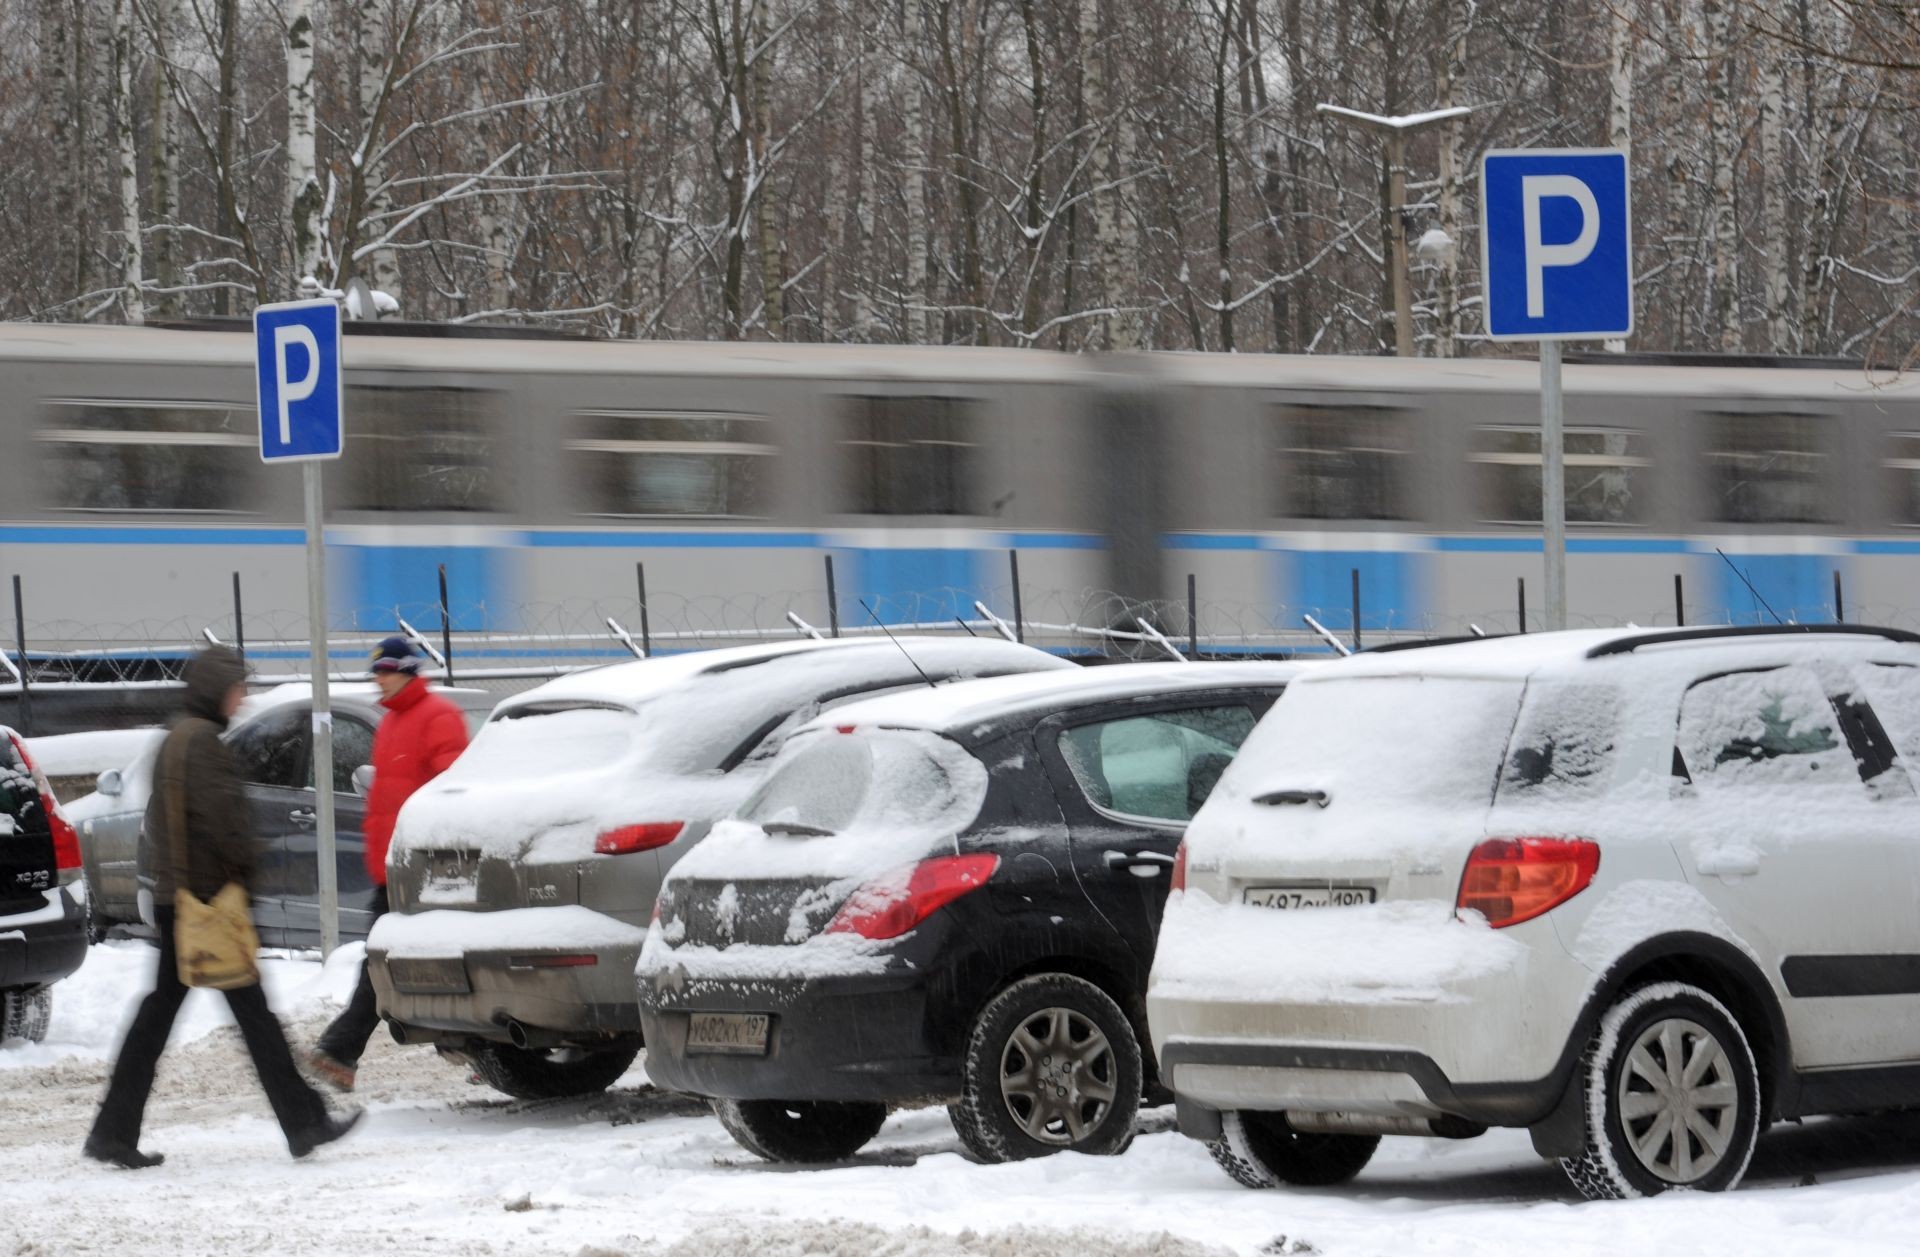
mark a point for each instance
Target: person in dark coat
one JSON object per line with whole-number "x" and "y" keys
{"x": 418, "y": 739}
{"x": 219, "y": 849}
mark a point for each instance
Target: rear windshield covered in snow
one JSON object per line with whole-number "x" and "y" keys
{"x": 1363, "y": 740}
{"x": 1564, "y": 744}
{"x": 547, "y": 738}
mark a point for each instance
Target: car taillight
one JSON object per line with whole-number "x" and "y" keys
{"x": 1510, "y": 880}
{"x": 1179, "y": 880}
{"x": 889, "y": 906}
{"x": 631, "y": 838}
{"x": 66, "y": 842}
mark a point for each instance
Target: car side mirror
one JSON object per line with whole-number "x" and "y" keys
{"x": 363, "y": 780}
{"x": 109, "y": 782}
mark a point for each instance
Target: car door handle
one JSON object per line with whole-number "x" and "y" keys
{"x": 1139, "y": 863}
{"x": 303, "y": 816}
{"x": 1730, "y": 862}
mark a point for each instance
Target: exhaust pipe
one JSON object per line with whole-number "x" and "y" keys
{"x": 398, "y": 1031}
{"x": 1333, "y": 1123}
{"x": 517, "y": 1034}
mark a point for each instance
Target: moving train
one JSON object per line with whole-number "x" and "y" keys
{"x": 540, "y": 471}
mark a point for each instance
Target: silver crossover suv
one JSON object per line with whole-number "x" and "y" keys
{"x": 522, "y": 881}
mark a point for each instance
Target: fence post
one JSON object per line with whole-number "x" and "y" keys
{"x": 1839, "y": 603}
{"x": 1679, "y": 602}
{"x": 833, "y": 599}
{"x": 1523, "y": 603}
{"x": 1019, "y": 620}
{"x": 20, "y": 640}
{"x": 239, "y": 625}
{"x": 1356, "y": 610}
{"x": 646, "y": 630}
{"x": 1193, "y": 621}
{"x": 446, "y": 626}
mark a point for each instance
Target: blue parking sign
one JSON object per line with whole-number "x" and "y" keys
{"x": 297, "y": 379}
{"x": 1556, "y": 243}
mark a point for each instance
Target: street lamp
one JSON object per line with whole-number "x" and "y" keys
{"x": 1395, "y": 131}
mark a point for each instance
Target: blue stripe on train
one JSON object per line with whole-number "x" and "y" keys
{"x": 372, "y": 588}
{"x": 1796, "y": 587}
{"x": 1393, "y": 586}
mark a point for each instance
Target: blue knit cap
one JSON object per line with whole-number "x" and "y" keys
{"x": 395, "y": 654}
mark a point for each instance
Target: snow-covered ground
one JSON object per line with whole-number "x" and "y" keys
{"x": 443, "y": 1166}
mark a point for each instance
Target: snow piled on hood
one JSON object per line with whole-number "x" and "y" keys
{"x": 450, "y": 934}
{"x": 87, "y": 754}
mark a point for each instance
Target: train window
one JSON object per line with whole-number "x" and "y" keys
{"x": 911, "y": 455}
{"x": 1903, "y": 470}
{"x": 1606, "y": 471}
{"x": 1341, "y": 462}
{"x": 420, "y": 449}
{"x": 150, "y": 456}
{"x": 1767, "y": 469}
{"x": 670, "y": 462}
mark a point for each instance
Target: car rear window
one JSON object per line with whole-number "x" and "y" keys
{"x": 1161, "y": 765}
{"x": 888, "y": 779}
{"x": 548, "y": 738}
{"x": 1391, "y": 740}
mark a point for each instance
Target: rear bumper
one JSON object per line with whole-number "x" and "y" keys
{"x": 857, "y": 1037}
{"x": 45, "y": 945}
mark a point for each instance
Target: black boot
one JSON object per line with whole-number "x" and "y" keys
{"x": 329, "y": 1129}
{"x": 126, "y": 1156}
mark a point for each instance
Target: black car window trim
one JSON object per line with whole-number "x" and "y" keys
{"x": 1048, "y": 731}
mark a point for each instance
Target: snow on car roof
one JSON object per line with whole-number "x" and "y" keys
{"x": 642, "y": 679}
{"x": 950, "y": 707}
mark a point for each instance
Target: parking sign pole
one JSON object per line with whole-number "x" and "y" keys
{"x": 322, "y": 712}
{"x": 1553, "y": 483}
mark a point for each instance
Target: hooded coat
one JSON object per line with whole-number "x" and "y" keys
{"x": 219, "y": 846}
{"x": 418, "y": 739}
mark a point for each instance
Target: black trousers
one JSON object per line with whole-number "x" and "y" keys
{"x": 346, "y": 1039}
{"x": 297, "y": 1105}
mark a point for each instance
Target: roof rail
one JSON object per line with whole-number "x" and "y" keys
{"x": 1421, "y": 643}
{"x": 1627, "y": 645}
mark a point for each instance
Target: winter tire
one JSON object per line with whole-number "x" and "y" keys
{"x": 805, "y": 1131}
{"x": 553, "y": 1073}
{"x": 1052, "y": 1064}
{"x": 1262, "y": 1150}
{"x": 26, "y": 1014}
{"x": 1670, "y": 1095}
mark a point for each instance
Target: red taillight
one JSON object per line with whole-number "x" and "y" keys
{"x": 66, "y": 842}
{"x": 1510, "y": 880}
{"x": 1179, "y": 881}
{"x": 889, "y": 906}
{"x": 644, "y": 837}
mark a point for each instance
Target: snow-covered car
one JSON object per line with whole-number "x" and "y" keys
{"x": 522, "y": 880}
{"x": 1641, "y": 893}
{"x": 43, "y": 913}
{"x": 945, "y": 896}
{"x": 108, "y": 821}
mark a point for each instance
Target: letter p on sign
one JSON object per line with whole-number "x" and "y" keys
{"x": 296, "y": 374}
{"x": 1556, "y": 244}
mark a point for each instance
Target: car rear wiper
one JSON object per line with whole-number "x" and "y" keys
{"x": 795, "y": 829}
{"x": 1319, "y": 798}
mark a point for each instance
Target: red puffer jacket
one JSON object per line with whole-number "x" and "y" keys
{"x": 421, "y": 735}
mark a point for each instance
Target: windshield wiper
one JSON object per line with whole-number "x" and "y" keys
{"x": 1319, "y": 798}
{"x": 795, "y": 829}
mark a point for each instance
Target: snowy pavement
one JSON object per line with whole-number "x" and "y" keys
{"x": 442, "y": 1166}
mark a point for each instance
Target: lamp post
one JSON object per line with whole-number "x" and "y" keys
{"x": 1395, "y": 130}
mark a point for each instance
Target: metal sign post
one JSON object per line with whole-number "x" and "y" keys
{"x": 297, "y": 377}
{"x": 1556, "y": 259}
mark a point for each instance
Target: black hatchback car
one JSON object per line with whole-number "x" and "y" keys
{"x": 944, "y": 895}
{"x": 43, "y": 914}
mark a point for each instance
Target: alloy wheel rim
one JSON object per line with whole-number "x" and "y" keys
{"x": 1057, "y": 1076}
{"x": 1678, "y": 1100}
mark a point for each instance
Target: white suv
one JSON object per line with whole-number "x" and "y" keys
{"x": 1639, "y": 892}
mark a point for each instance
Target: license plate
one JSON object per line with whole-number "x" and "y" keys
{"x": 732, "y": 1034}
{"x": 453, "y": 877}
{"x": 429, "y": 977}
{"x": 1292, "y": 897}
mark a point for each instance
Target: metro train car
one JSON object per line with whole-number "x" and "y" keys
{"x": 539, "y": 471}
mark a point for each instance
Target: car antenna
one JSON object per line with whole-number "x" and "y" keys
{"x": 896, "y": 641}
{"x": 1749, "y": 584}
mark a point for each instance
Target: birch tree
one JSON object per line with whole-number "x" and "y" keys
{"x": 304, "y": 198}
{"x": 126, "y": 170}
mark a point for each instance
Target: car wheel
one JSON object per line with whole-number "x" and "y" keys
{"x": 1262, "y": 1150}
{"x": 806, "y": 1131}
{"x": 551, "y": 1073}
{"x": 1052, "y": 1064}
{"x": 1670, "y": 1094}
{"x": 26, "y": 1014}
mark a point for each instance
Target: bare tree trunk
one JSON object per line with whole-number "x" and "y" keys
{"x": 1223, "y": 189}
{"x": 1453, "y": 68}
{"x": 918, "y": 321}
{"x": 1298, "y": 146}
{"x": 1119, "y": 332}
{"x": 953, "y": 64}
{"x": 371, "y": 54}
{"x": 1777, "y": 239}
{"x": 80, "y": 159}
{"x": 228, "y": 212}
{"x": 164, "y": 158}
{"x": 867, "y": 199}
{"x": 1620, "y": 99}
{"x": 127, "y": 168}
{"x": 1723, "y": 127}
{"x": 833, "y": 215}
{"x": 773, "y": 271}
{"x": 303, "y": 183}
{"x": 56, "y": 51}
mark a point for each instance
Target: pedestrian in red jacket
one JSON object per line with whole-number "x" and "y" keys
{"x": 418, "y": 739}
